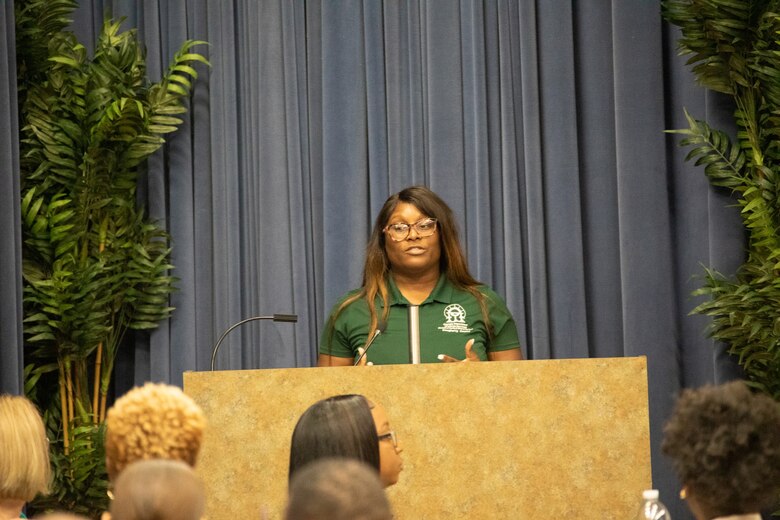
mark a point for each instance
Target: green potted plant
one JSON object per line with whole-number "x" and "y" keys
{"x": 733, "y": 48}
{"x": 94, "y": 265}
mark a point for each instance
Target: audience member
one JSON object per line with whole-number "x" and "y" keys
{"x": 158, "y": 490}
{"x": 155, "y": 421}
{"x": 337, "y": 489}
{"x": 61, "y": 515}
{"x": 347, "y": 426}
{"x": 24, "y": 455}
{"x": 724, "y": 442}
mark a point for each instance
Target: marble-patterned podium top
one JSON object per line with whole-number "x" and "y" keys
{"x": 550, "y": 439}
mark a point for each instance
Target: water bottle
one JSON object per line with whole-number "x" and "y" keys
{"x": 652, "y": 508}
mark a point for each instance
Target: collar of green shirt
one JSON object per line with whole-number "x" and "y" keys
{"x": 441, "y": 293}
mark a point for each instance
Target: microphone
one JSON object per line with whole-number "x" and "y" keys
{"x": 380, "y": 328}
{"x": 289, "y": 318}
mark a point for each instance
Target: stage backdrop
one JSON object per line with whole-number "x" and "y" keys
{"x": 540, "y": 123}
{"x": 542, "y": 439}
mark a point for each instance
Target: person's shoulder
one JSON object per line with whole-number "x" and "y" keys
{"x": 349, "y": 294}
{"x": 493, "y": 299}
{"x": 488, "y": 291}
{"x": 481, "y": 288}
{"x": 349, "y": 302}
{"x": 346, "y": 296}
{"x": 467, "y": 293}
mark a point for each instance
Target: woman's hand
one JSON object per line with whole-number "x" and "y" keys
{"x": 470, "y": 354}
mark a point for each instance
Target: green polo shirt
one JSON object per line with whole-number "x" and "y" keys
{"x": 448, "y": 318}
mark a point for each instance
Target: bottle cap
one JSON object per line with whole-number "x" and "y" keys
{"x": 650, "y": 494}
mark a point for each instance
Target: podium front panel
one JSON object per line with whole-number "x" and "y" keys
{"x": 550, "y": 439}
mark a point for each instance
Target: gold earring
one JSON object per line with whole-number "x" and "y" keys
{"x": 684, "y": 493}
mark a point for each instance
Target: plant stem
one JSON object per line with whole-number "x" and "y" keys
{"x": 64, "y": 408}
{"x": 77, "y": 381}
{"x": 103, "y": 397}
{"x": 69, "y": 388}
{"x": 98, "y": 362}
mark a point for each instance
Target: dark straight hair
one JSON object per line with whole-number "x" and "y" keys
{"x": 339, "y": 426}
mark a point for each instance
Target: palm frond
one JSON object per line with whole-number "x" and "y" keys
{"x": 94, "y": 265}
{"x": 734, "y": 49}
{"x": 716, "y": 35}
{"x": 724, "y": 163}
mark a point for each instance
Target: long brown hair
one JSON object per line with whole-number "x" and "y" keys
{"x": 377, "y": 267}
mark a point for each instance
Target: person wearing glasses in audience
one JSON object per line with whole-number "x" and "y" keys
{"x": 414, "y": 258}
{"x": 348, "y": 426}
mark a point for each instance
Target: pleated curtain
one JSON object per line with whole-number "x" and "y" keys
{"x": 540, "y": 123}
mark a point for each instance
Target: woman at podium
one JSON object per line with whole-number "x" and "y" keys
{"x": 418, "y": 303}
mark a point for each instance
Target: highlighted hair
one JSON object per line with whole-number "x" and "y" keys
{"x": 24, "y": 450}
{"x": 155, "y": 421}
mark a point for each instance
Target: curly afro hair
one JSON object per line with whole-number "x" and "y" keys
{"x": 724, "y": 443}
{"x": 155, "y": 421}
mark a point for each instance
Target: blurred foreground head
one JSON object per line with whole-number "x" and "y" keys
{"x": 337, "y": 489}
{"x": 724, "y": 443}
{"x": 61, "y": 515}
{"x": 158, "y": 490}
{"x": 24, "y": 450}
{"x": 155, "y": 421}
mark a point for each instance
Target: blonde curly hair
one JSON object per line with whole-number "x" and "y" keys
{"x": 155, "y": 421}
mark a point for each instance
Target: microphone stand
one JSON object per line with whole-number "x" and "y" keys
{"x": 290, "y": 318}
{"x": 379, "y": 330}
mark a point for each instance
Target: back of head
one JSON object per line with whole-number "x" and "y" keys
{"x": 158, "y": 490}
{"x": 337, "y": 489}
{"x": 154, "y": 421}
{"x": 724, "y": 442}
{"x": 61, "y": 515}
{"x": 340, "y": 426}
{"x": 24, "y": 450}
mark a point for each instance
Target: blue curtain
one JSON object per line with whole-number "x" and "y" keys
{"x": 11, "y": 359}
{"x": 540, "y": 123}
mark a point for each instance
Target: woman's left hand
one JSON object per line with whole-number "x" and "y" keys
{"x": 470, "y": 354}
{"x": 364, "y": 362}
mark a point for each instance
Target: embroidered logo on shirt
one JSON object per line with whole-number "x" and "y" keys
{"x": 456, "y": 319}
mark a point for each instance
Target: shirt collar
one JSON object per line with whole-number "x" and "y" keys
{"x": 441, "y": 293}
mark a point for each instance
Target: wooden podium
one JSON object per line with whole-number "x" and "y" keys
{"x": 533, "y": 439}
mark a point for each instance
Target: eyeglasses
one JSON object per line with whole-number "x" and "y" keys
{"x": 400, "y": 230}
{"x": 389, "y": 436}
